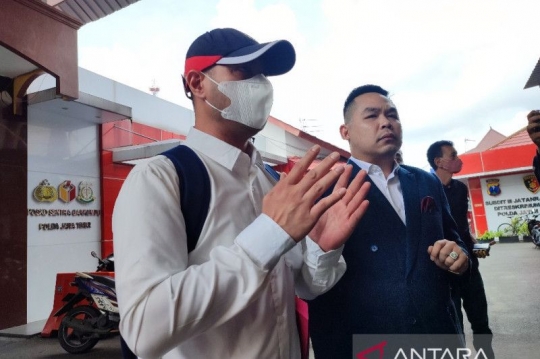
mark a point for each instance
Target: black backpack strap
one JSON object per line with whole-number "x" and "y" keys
{"x": 195, "y": 190}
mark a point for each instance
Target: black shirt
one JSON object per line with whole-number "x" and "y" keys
{"x": 458, "y": 199}
{"x": 536, "y": 166}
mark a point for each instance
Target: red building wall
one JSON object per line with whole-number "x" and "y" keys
{"x": 512, "y": 154}
{"x": 501, "y": 159}
{"x": 475, "y": 192}
{"x": 114, "y": 135}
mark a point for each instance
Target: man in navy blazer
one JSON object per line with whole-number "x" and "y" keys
{"x": 403, "y": 251}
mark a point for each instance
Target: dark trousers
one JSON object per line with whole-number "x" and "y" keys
{"x": 126, "y": 352}
{"x": 470, "y": 290}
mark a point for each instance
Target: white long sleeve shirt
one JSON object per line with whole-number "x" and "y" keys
{"x": 233, "y": 295}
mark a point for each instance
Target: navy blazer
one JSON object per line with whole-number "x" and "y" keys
{"x": 391, "y": 286}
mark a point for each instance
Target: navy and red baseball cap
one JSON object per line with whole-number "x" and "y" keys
{"x": 232, "y": 47}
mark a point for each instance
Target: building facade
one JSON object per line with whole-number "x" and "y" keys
{"x": 501, "y": 182}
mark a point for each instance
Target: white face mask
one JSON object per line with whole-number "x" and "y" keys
{"x": 251, "y": 100}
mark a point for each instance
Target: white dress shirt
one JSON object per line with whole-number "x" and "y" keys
{"x": 389, "y": 186}
{"x": 233, "y": 295}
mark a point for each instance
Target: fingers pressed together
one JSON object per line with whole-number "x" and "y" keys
{"x": 449, "y": 256}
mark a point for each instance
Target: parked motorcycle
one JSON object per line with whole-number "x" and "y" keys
{"x": 84, "y": 324}
{"x": 535, "y": 234}
{"x": 534, "y": 230}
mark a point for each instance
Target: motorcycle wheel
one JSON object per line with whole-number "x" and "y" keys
{"x": 75, "y": 341}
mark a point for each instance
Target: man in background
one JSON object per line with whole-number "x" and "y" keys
{"x": 399, "y": 157}
{"x": 443, "y": 158}
{"x": 533, "y": 129}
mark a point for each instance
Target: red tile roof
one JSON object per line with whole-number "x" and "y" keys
{"x": 513, "y": 153}
{"x": 519, "y": 138}
{"x": 491, "y": 138}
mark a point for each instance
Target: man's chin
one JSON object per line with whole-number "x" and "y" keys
{"x": 391, "y": 150}
{"x": 243, "y": 128}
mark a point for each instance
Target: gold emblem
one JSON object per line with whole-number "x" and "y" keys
{"x": 44, "y": 192}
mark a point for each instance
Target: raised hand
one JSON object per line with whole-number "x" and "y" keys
{"x": 291, "y": 203}
{"x": 337, "y": 224}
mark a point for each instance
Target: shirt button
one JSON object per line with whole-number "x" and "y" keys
{"x": 374, "y": 248}
{"x": 413, "y": 321}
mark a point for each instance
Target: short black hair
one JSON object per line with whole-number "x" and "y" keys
{"x": 435, "y": 150}
{"x": 357, "y": 92}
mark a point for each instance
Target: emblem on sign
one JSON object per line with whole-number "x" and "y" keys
{"x": 531, "y": 183}
{"x": 44, "y": 192}
{"x": 66, "y": 191}
{"x": 493, "y": 187}
{"x": 86, "y": 195}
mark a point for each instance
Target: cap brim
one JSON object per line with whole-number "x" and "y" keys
{"x": 276, "y": 58}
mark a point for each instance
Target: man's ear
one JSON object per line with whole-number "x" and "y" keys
{"x": 437, "y": 161}
{"x": 344, "y": 131}
{"x": 193, "y": 84}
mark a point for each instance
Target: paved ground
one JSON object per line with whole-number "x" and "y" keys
{"x": 512, "y": 279}
{"x": 49, "y": 348}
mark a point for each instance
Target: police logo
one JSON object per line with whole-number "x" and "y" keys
{"x": 45, "y": 192}
{"x": 493, "y": 187}
{"x": 531, "y": 183}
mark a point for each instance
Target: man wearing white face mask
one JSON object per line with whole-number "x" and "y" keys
{"x": 443, "y": 158}
{"x": 253, "y": 113}
{"x": 233, "y": 294}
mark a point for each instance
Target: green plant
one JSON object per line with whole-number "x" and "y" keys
{"x": 490, "y": 235}
{"x": 512, "y": 228}
{"x": 524, "y": 229}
